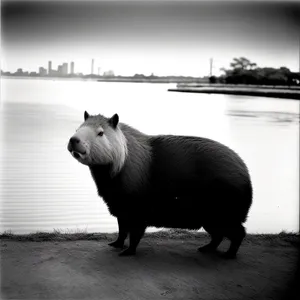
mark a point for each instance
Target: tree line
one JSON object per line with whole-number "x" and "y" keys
{"x": 243, "y": 71}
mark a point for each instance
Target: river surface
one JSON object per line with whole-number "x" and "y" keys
{"x": 43, "y": 188}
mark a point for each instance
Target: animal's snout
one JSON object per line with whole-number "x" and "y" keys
{"x": 75, "y": 145}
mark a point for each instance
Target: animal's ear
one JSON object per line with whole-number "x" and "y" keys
{"x": 86, "y": 115}
{"x": 114, "y": 120}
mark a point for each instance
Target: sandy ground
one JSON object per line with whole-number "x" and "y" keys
{"x": 164, "y": 268}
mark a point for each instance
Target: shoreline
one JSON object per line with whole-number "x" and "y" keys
{"x": 190, "y": 85}
{"x": 272, "y": 92}
{"x": 186, "y": 84}
{"x": 238, "y": 86}
{"x": 169, "y": 234}
{"x": 122, "y": 79}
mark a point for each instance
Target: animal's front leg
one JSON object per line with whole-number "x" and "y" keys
{"x": 136, "y": 233}
{"x": 123, "y": 232}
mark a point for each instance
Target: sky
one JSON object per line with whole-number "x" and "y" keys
{"x": 159, "y": 37}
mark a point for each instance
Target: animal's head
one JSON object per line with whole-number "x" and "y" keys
{"x": 99, "y": 141}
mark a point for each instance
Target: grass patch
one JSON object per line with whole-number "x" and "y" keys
{"x": 282, "y": 238}
{"x": 178, "y": 234}
{"x": 56, "y": 235}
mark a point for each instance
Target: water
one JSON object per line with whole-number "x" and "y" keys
{"x": 44, "y": 188}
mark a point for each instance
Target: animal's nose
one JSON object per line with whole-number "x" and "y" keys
{"x": 74, "y": 140}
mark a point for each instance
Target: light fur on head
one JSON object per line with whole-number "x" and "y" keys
{"x": 110, "y": 148}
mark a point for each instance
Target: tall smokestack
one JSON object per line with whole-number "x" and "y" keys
{"x": 210, "y": 66}
{"x": 92, "y": 69}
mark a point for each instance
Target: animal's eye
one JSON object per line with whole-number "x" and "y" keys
{"x": 100, "y": 133}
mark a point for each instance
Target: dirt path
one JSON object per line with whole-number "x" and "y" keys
{"x": 162, "y": 269}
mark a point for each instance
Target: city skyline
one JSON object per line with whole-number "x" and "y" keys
{"x": 160, "y": 37}
{"x": 63, "y": 69}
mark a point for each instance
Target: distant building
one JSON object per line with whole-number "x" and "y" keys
{"x": 42, "y": 71}
{"x": 54, "y": 72}
{"x": 109, "y": 73}
{"x": 19, "y": 72}
{"x": 5, "y": 73}
{"x": 50, "y": 67}
{"x": 59, "y": 70}
{"x": 72, "y": 68}
{"x": 64, "y": 69}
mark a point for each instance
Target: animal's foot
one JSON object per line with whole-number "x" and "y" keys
{"x": 127, "y": 252}
{"x": 117, "y": 244}
{"x": 207, "y": 249}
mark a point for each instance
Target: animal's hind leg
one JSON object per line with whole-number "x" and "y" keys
{"x": 216, "y": 239}
{"x": 135, "y": 235}
{"x": 123, "y": 232}
{"x": 236, "y": 235}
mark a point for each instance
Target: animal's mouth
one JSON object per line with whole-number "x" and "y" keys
{"x": 78, "y": 155}
{"x": 77, "y": 150}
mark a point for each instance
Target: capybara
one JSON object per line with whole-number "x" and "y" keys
{"x": 164, "y": 181}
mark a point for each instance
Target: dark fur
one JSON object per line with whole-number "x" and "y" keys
{"x": 177, "y": 182}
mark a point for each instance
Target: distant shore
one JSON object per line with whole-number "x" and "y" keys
{"x": 292, "y": 92}
{"x": 190, "y": 85}
{"x": 167, "y": 266}
{"x": 138, "y": 79}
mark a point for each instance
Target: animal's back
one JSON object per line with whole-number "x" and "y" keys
{"x": 184, "y": 158}
{"x": 192, "y": 178}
